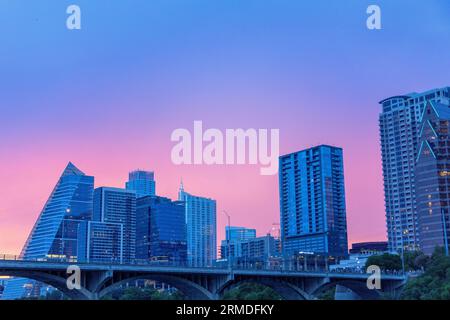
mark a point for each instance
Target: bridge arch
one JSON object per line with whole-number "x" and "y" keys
{"x": 358, "y": 287}
{"x": 190, "y": 289}
{"x": 285, "y": 289}
{"x": 55, "y": 281}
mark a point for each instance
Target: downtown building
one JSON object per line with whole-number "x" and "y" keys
{"x": 111, "y": 234}
{"x": 200, "y": 214}
{"x": 259, "y": 251}
{"x": 142, "y": 182}
{"x": 312, "y": 202}
{"x": 399, "y": 133}
{"x": 248, "y": 250}
{"x": 55, "y": 233}
{"x": 234, "y": 236}
{"x": 432, "y": 177}
{"x": 161, "y": 230}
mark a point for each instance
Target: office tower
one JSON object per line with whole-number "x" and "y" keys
{"x": 239, "y": 233}
{"x": 101, "y": 242}
{"x": 259, "y": 250}
{"x": 233, "y": 237}
{"x": 312, "y": 202}
{"x": 54, "y": 234}
{"x": 432, "y": 177}
{"x": 399, "y": 132}
{"x": 143, "y": 182}
{"x": 201, "y": 228}
{"x": 161, "y": 230}
{"x": 111, "y": 235}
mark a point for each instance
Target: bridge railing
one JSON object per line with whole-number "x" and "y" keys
{"x": 285, "y": 268}
{"x": 9, "y": 257}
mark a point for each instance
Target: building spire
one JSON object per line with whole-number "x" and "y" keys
{"x": 181, "y": 185}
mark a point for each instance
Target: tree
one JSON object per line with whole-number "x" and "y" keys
{"x": 251, "y": 291}
{"x": 137, "y": 293}
{"x": 385, "y": 261}
{"x": 434, "y": 283}
{"x": 328, "y": 294}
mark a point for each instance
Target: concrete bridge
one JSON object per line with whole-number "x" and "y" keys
{"x": 98, "y": 280}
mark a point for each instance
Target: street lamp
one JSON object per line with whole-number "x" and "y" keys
{"x": 229, "y": 238}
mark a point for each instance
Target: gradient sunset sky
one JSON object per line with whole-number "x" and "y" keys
{"x": 108, "y": 96}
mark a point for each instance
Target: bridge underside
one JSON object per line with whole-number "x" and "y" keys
{"x": 98, "y": 284}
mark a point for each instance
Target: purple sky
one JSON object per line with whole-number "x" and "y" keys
{"x": 107, "y": 97}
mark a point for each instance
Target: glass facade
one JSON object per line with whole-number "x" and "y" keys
{"x": 233, "y": 237}
{"x": 312, "y": 202}
{"x": 111, "y": 235}
{"x": 143, "y": 182}
{"x": 432, "y": 177}
{"x": 55, "y": 233}
{"x": 161, "y": 230}
{"x": 399, "y": 132}
{"x": 101, "y": 242}
{"x": 200, "y": 216}
{"x": 259, "y": 250}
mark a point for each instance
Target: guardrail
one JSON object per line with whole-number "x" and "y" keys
{"x": 173, "y": 264}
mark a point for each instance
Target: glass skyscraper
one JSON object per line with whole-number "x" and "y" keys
{"x": 111, "y": 235}
{"x": 399, "y": 131}
{"x": 312, "y": 202}
{"x": 432, "y": 177}
{"x": 233, "y": 237}
{"x": 143, "y": 182}
{"x": 161, "y": 230}
{"x": 200, "y": 216}
{"x": 54, "y": 234}
{"x": 101, "y": 242}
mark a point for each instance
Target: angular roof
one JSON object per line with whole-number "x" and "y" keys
{"x": 72, "y": 170}
{"x": 442, "y": 110}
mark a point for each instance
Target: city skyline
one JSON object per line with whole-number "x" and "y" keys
{"x": 312, "y": 70}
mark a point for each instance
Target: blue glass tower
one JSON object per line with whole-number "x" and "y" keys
{"x": 143, "y": 182}
{"x": 432, "y": 177}
{"x": 111, "y": 235}
{"x": 201, "y": 228}
{"x": 400, "y": 135}
{"x": 233, "y": 238}
{"x": 312, "y": 202}
{"x": 55, "y": 233}
{"x": 161, "y": 230}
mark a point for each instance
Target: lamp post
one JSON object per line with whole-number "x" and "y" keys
{"x": 403, "y": 251}
{"x": 444, "y": 226}
{"x": 229, "y": 238}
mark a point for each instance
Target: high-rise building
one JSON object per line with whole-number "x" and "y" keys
{"x": 432, "y": 177}
{"x": 101, "y": 242}
{"x": 233, "y": 237}
{"x": 312, "y": 202}
{"x": 201, "y": 228}
{"x": 55, "y": 232}
{"x": 161, "y": 230}
{"x": 111, "y": 235}
{"x": 143, "y": 182}
{"x": 399, "y": 131}
{"x": 259, "y": 250}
